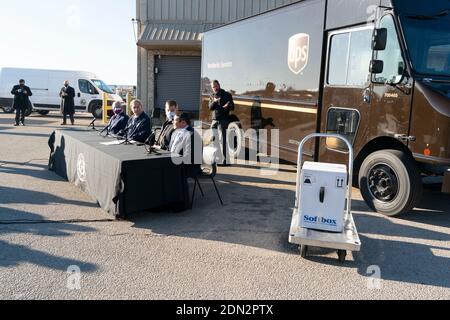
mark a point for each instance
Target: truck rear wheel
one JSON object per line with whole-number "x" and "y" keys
{"x": 43, "y": 112}
{"x": 28, "y": 111}
{"x": 8, "y": 109}
{"x": 234, "y": 140}
{"x": 390, "y": 182}
{"x": 97, "y": 110}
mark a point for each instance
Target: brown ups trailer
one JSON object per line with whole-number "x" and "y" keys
{"x": 374, "y": 71}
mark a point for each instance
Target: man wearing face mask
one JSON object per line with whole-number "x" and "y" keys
{"x": 21, "y": 101}
{"x": 118, "y": 121}
{"x": 67, "y": 95}
{"x": 163, "y": 140}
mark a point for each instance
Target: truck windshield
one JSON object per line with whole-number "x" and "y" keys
{"x": 428, "y": 40}
{"x": 102, "y": 86}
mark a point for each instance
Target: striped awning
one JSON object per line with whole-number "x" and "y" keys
{"x": 159, "y": 35}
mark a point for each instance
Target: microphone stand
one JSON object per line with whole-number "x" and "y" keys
{"x": 92, "y": 124}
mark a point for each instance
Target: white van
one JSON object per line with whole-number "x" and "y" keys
{"x": 46, "y": 85}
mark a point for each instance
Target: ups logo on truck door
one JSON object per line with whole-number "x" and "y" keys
{"x": 298, "y": 52}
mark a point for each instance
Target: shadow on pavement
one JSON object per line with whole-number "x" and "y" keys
{"x": 12, "y": 255}
{"x": 260, "y": 217}
{"x": 14, "y": 195}
{"x": 252, "y": 216}
{"x": 24, "y": 134}
{"x": 26, "y": 172}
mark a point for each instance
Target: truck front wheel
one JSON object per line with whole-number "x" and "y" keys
{"x": 390, "y": 182}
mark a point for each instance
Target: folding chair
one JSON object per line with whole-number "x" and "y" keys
{"x": 208, "y": 171}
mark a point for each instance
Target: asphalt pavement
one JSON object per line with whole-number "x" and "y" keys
{"x": 56, "y": 243}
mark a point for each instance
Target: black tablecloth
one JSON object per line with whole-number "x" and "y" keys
{"x": 124, "y": 179}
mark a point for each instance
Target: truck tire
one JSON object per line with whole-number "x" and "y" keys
{"x": 235, "y": 144}
{"x": 43, "y": 112}
{"x": 8, "y": 109}
{"x": 97, "y": 110}
{"x": 28, "y": 111}
{"x": 390, "y": 182}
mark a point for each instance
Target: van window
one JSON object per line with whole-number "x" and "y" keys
{"x": 87, "y": 87}
{"x": 350, "y": 55}
{"x": 394, "y": 64}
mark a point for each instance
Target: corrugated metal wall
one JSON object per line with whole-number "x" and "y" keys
{"x": 213, "y": 11}
{"x": 178, "y": 79}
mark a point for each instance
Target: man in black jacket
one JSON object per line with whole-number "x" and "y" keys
{"x": 139, "y": 126}
{"x": 221, "y": 103}
{"x": 163, "y": 140}
{"x": 67, "y": 95}
{"x": 21, "y": 101}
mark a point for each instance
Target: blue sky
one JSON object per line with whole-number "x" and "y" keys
{"x": 89, "y": 35}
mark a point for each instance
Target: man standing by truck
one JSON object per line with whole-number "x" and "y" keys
{"x": 221, "y": 103}
{"x": 21, "y": 101}
{"x": 67, "y": 95}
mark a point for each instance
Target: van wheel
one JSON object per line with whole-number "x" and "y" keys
{"x": 28, "y": 111}
{"x": 390, "y": 182}
{"x": 43, "y": 112}
{"x": 9, "y": 109}
{"x": 234, "y": 140}
{"x": 97, "y": 110}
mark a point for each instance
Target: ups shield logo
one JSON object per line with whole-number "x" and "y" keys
{"x": 298, "y": 52}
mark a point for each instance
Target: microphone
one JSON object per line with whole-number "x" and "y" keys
{"x": 151, "y": 139}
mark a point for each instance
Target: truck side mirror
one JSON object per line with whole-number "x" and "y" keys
{"x": 401, "y": 68}
{"x": 379, "y": 39}
{"x": 376, "y": 66}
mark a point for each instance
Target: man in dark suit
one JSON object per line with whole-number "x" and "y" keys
{"x": 67, "y": 95}
{"x": 139, "y": 126}
{"x": 21, "y": 101}
{"x": 221, "y": 103}
{"x": 163, "y": 140}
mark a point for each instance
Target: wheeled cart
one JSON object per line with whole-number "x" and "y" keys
{"x": 348, "y": 239}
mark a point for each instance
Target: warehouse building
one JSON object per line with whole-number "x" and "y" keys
{"x": 170, "y": 40}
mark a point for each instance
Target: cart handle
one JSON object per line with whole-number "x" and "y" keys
{"x": 350, "y": 166}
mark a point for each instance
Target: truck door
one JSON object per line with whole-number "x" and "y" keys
{"x": 84, "y": 94}
{"x": 390, "y": 111}
{"x": 347, "y": 89}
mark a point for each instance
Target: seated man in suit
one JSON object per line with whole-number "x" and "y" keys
{"x": 139, "y": 126}
{"x": 118, "y": 121}
{"x": 163, "y": 140}
{"x": 185, "y": 142}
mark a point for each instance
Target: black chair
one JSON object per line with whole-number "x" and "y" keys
{"x": 208, "y": 171}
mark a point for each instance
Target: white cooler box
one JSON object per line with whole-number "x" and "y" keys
{"x": 322, "y": 196}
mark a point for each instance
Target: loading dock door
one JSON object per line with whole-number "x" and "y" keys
{"x": 178, "y": 78}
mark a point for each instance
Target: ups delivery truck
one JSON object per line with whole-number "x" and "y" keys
{"x": 374, "y": 71}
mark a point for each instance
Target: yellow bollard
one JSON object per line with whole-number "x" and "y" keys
{"x": 105, "y": 108}
{"x": 129, "y": 98}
